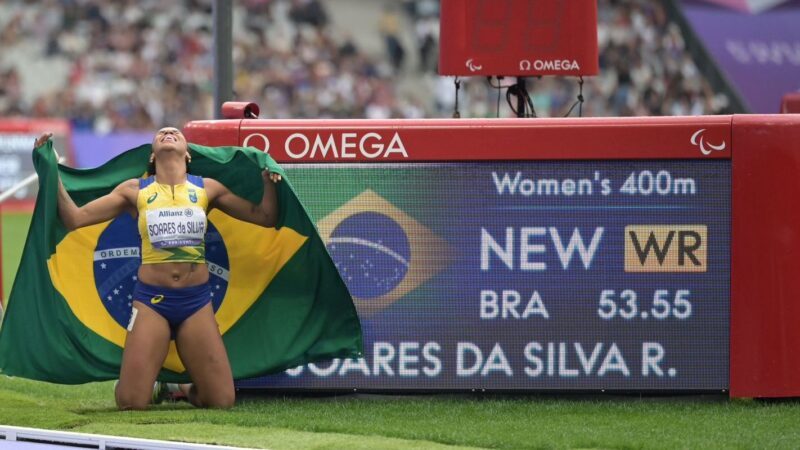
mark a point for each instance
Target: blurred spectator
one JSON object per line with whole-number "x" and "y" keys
{"x": 390, "y": 30}
{"x": 10, "y": 92}
{"x": 139, "y": 64}
{"x": 310, "y": 12}
{"x": 426, "y": 30}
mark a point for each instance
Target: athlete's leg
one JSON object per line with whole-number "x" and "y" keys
{"x": 203, "y": 353}
{"x": 146, "y": 347}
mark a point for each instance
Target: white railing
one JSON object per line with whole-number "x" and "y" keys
{"x": 62, "y": 439}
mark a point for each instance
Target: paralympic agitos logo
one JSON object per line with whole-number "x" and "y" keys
{"x": 706, "y": 148}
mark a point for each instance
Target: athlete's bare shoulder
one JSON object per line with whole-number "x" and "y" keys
{"x": 211, "y": 181}
{"x": 129, "y": 185}
{"x": 128, "y": 189}
{"x": 213, "y": 188}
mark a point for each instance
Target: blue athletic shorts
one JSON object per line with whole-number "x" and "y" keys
{"x": 173, "y": 304}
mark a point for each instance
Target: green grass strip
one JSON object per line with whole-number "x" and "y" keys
{"x": 415, "y": 422}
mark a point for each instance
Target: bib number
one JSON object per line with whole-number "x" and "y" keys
{"x": 176, "y": 227}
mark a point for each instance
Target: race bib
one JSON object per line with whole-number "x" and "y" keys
{"x": 176, "y": 227}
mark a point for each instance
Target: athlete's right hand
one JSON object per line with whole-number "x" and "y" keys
{"x": 41, "y": 140}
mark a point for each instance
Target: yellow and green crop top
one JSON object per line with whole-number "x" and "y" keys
{"x": 172, "y": 222}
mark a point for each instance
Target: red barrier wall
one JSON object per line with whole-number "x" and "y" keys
{"x": 790, "y": 103}
{"x": 468, "y": 140}
{"x": 765, "y": 286}
{"x": 765, "y": 153}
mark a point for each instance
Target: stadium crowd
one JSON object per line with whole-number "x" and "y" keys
{"x": 141, "y": 64}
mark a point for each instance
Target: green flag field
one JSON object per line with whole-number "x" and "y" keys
{"x": 278, "y": 298}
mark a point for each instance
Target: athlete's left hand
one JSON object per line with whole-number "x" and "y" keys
{"x": 41, "y": 140}
{"x": 271, "y": 176}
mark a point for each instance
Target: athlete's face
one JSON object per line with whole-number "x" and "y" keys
{"x": 169, "y": 139}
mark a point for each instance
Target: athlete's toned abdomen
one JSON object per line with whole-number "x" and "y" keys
{"x": 174, "y": 275}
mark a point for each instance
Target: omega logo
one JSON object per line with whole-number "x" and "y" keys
{"x": 263, "y": 137}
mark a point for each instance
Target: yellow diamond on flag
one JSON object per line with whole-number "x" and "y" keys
{"x": 254, "y": 256}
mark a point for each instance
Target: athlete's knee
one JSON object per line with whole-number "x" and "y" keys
{"x": 127, "y": 400}
{"x": 221, "y": 398}
{"x": 223, "y": 402}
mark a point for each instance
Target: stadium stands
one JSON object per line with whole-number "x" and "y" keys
{"x": 139, "y": 64}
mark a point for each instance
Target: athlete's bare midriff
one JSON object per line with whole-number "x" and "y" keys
{"x": 173, "y": 274}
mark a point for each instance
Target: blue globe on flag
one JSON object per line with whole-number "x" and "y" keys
{"x": 372, "y": 253}
{"x": 117, "y": 259}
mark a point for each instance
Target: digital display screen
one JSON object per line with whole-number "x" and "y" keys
{"x": 492, "y": 20}
{"x": 518, "y": 37}
{"x": 526, "y": 275}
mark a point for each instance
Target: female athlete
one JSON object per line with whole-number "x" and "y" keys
{"x": 172, "y": 295}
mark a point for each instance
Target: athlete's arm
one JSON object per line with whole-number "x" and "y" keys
{"x": 98, "y": 210}
{"x": 122, "y": 198}
{"x": 264, "y": 213}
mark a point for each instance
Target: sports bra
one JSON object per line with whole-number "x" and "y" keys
{"x": 172, "y": 220}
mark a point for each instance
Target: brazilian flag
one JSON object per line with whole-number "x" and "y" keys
{"x": 277, "y": 296}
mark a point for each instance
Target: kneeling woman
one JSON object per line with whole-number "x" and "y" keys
{"x": 172, "y": 297}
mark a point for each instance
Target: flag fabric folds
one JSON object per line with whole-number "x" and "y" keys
{"x": 278, "y": 298}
